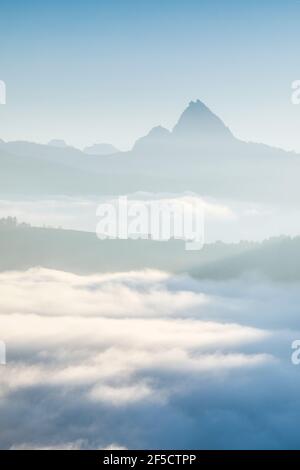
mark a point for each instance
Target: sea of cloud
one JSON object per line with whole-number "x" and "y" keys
{"x": 147, "y": 360}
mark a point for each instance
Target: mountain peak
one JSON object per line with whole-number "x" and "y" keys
{"x": 101, "y": 149}
{"x": 158, "y": 132}
{"x": 157, "y": 136}
{"x": 199, "y": 122}
{"x": 57, "y": 143}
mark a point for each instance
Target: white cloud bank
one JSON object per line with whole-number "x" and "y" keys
{"x": 145, "y": 360}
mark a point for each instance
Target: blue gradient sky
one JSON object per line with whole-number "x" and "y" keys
{"x": 89, "y": 71}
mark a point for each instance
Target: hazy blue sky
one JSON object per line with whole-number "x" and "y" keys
{"x": 110, "y": 70}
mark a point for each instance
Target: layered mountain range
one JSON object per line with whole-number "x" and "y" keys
{"x": 200, "y": 154}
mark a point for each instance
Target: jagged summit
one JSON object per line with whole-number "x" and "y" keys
{"x": 197, "y": 126}
{"x": 198, "y": 121}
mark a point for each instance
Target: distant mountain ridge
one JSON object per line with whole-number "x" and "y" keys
{"x": 199, "y": 122}
{"x": 101, "y": 149}
{"x": 200, "y": 154}
{"x": 197, "y": 126}
{"x": 57, "y": 143}
{"x": 23, "y": 247}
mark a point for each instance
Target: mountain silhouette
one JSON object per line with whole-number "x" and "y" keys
{"x": 60, "y": 143}
{"x": 101, "y": 149}
{"x": 200, "y": 154}
{"x": 199, "y": 123}
{"x": 197, "y": 126}
{"x": 158, "y": 136}
{"x": 23, "y": 247}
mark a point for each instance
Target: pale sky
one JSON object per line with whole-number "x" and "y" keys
{"x": 108, "y": 71}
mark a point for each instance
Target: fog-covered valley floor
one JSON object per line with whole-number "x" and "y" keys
{"x": 147, "y": 359}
